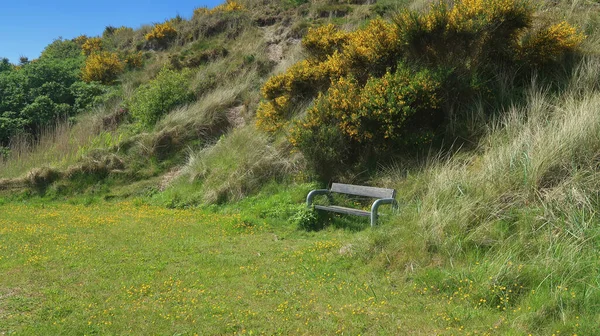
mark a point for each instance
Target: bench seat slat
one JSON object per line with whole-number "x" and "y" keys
{"x": 343, "y": 210}
{"x": 362, "y": 190}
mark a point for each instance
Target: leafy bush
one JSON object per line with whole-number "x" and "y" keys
{"x": 307, "y": 219}
{"x": 103, "y": 67}
{"x": 57, "y": 92}
{"x": 43, "y": 110}
{"x": 62, "y": 49}
{"x": 10, "y": 125}
{"x": 36, "y": 92}
{"x": 159, "y": 96}
{"x": 326, "y": 149}
{"x": 5, "y": 65}
{"x": 88, "y": 95}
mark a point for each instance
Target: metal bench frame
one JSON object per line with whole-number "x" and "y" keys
{"x": 383, "y": 195}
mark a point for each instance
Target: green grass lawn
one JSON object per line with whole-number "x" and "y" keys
{"x": 122, "y": 269}
{"x": 131, "y": 268}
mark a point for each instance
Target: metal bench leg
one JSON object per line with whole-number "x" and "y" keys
{"x": 375, "y": 208}
{"x": 311, "y": 195}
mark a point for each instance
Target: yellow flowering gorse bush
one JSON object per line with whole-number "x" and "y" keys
{"x": 382, "y": 85}
{"x": 323, "y": 41}
{"x": 546, "y": 45}
{"x": 469, "y": 15}
{"x": 379, "y": 114}
{"x": 372, "y": 48}
{"x": 228, "y": 6}
{"x": 91, "y": 45}
{"x": 102, "y": 67}
{"x": 201, "y": 11}
{"x": 161, "y": 34}
{"x": 81, "y": 39}
{"x": 122, "y": 30}
{"x": 333, "y": 54}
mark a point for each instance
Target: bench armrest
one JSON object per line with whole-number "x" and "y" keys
{"x": 377, "y": 204}
{"x": 313, "y": 193}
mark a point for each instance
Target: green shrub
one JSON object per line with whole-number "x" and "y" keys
{"x": 10, "y": 125}
{"x": 88, "y": 95}
{"x": 43, "y": 110}
{"x": 62, "y": 49}
{"x": 307, "y": 219}
{"x": 5, "y": 65}
{"x": 34, "y": 93}
{"x": 158, "y": 97}
{"x": 324, "y": 147}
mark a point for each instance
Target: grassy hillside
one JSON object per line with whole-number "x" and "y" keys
{"x": 497, "y": 230}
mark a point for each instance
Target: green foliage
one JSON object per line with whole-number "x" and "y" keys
{"x": 294, "y": 3}
{"x": 57, "y": 92}
{"x": 10, "y": 124}
{"x": 61, "y": 70}
{"x": 62, "y": 49}
{"x": 325, "y": 148}
{"x": 44, "y": 110}
{"x": 158, "y": 97}
{"x": 13, "y": 94}
{"x": 5, "y": 65}
{"x": 88, "y": 95}
{"x": 307, "y": 219}
{"x": 35, "y": 93}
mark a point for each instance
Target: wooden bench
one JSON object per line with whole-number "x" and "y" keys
{"x": 382, "y": 195}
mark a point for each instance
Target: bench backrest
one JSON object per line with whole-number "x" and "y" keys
{"x": 362, "y": 190}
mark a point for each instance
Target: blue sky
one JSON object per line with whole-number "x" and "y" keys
{"x": 27, "y": 26}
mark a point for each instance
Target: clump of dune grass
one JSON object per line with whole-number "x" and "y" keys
{"x": 520, "y": 209}
{"x": 237, "y": 165}
{"x": 59, "y": 145}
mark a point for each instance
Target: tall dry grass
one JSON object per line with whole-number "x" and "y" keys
{"x": 527, "y": 197}
{"x": 237, "y": 165}
{"x": 59, "y": 145}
